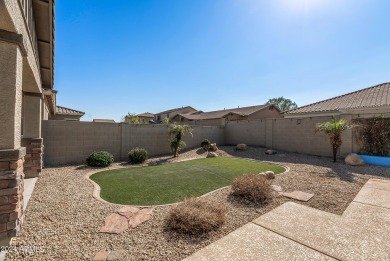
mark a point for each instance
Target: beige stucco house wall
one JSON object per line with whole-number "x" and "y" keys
{"x": 26, "y": 73}
{"x": 170, "y": 114}
{"x": 145, "y": 117}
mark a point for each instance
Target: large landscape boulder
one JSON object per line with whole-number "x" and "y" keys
{"x": 270, "y": 152}
{"x": 354, "y": 160}
{"x": 241, "y": 146}
{"x": 213, "y": 147}
{"x": 270, "y": 174}
{"x": 212, "y": 155}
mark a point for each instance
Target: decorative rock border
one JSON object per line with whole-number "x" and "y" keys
{"x": 97, "y": 189}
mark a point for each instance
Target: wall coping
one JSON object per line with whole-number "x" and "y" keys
{"x": 12, "y": 154}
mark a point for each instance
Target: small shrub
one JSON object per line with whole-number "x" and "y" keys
{"x": 100, "y": 159}
{"x": 205, "y": 144}
{"x": 165, "y": 121}
{"x": 195, "y": 216}
{"x": 253, "y": 187}
{"x": 138, "y": 155}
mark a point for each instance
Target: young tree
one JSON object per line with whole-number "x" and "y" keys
{"x": 282, "y": 103}
{"x": 165, "y": 120}
{"x": 334, "y": 129}
{"x": 177, "y": 132}
{"x": 131, "y": 118}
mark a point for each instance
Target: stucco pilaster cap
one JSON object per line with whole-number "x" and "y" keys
{"x": 12, "y": 154}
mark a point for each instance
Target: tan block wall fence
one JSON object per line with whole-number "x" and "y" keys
{"x": 292, "y": 135}
{"x": 71, "y": 142}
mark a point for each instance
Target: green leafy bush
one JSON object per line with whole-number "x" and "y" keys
{"x": 165, "y": 121}
{"x": 374, "y": 135}
{"x": 100, "y": 159}
{"x": 137, "y": 155}
{"x": 205, "y": 144}
{"x": 195, "y": 216}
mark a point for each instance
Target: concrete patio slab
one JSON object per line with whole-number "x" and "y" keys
{"x": 373, "y": 196}
{"x": 252, "y": 242}
{"x": 327, "y": 233}
{"x": 364, "y": 213}
{"x": 378, "y": 184}
{"x": 29, "y": 185}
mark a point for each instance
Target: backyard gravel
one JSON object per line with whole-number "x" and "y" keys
{"x": 64, "y": 219}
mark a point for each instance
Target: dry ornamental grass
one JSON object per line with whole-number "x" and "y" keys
{"x": 253, "y": 187}
{"x": 195, "y": 216}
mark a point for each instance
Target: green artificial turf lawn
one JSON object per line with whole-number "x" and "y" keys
{"x": 173, "y": 182}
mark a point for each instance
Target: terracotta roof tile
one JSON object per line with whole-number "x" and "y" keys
{"x": 67, "y": 111}
{"x": 375, "y": 96}
{"x": 244, "y": 111}
{"x": 146, "y": 114}
{"x": 168, "y": 111}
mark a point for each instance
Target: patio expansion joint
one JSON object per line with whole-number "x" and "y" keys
{"x": 372, "y": 205}
{"x": 296, "y": 241}
{"x": 372, "y": 187}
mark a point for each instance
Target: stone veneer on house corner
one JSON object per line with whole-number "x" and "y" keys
{"x": 33, "y": 158}
{"x": 11, "y": 193}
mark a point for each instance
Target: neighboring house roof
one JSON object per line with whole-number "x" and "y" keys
{"x": 176, "y": 109}
{"x": 372, "y": 97}
{"x": 104, "y": 120}
{"x": 146, "y": 115}
{"x": 244, "y": 111}
{"x": 66, "y": 111}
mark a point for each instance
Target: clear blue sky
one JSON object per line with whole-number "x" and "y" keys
{"x": 114, "y": 57}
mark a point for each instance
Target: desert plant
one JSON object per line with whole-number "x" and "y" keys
{"x": 137, "y": 155}
{"x": 195, "y": 216}
{"x": 177, "y": 132}
{"x": 253, "y": 187}
{"x": 100, "y": 159}
{"x": 165, "y": 121}
{"x": 205, "y": 144}
{"x": 374, "y": 135}
{"x": 131, "y": 118}
{"x": 334, "y": 129}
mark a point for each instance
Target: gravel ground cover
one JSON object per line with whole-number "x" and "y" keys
{"x": 63, "y": 218}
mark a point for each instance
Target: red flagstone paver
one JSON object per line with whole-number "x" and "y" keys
{"x": 298, "y": 195}
{"x": 140, "y": 217}
{"x": 114, "y": 255}
{"x": 115, "y": 224}
{"x": 128, "y": 211}
{"x": 101, "y": 256}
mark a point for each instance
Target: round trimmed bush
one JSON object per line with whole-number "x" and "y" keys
{"x": 100, "y": 159}
{"x": 195, "y": 216}
{"x": 138, "y": 155}
{"x": 253, "y": 187}
{"x": 205, "y": 144}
